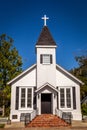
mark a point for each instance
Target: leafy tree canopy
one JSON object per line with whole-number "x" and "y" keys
{"x": 10, "y": 61}
{"x": 10, "y": 66}
{"x": 81, "y": 73}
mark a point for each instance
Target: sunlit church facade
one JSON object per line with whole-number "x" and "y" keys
{"x": 45, "y": 86}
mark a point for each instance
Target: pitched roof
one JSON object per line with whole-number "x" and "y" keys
{"x": 59, "y": 68}
{"x": 69, "y": 75}
{"x": 45, "y": 37}
{"x": 44, "y": 86}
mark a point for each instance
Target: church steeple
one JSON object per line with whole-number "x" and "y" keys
{"x": 45, "y": 38}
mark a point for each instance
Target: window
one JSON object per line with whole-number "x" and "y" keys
{"x": 26, "y": 97}
{"x": 68, "y": 98}
{"x": 29, "y": 97}
{"x": 14, "y": 116}
{"x": 65, "y": 97}
{"x": 17, "y": 99}
{"x": 46, "y": 59}
{"x": 23, "y": 97}
{"x": 74, "y": 97}
{"x": 62, "y": 100}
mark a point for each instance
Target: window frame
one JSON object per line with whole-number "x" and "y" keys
{"x": 29, "y": 99}
{"x": 46, "y": 59}
{"x": 65, "y": 98}
{"x": 68, "y": 98}
{"x": 62, "y": 98}
{"x": 26, "y": 99}
{"x": 23, "y": 98}
{"x": 43, "y": 60}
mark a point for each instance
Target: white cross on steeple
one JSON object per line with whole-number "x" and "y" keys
{"x": 45, "y": 18}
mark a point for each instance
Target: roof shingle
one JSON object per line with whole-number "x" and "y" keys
{"x": 45, "y": 38}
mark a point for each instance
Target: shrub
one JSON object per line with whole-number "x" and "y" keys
{"x": 84, "y": 109}
{"x": 2, "y": 125}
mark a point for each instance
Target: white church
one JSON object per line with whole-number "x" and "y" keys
{"x": 45, "y": 87}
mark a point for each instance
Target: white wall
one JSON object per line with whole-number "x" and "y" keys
{"x": 29, "y": 80}
{"x": 46, "y": 72}
{"x": 64, "y": 81}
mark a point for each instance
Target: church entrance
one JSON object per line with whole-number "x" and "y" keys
{"x": 46, "y": 104}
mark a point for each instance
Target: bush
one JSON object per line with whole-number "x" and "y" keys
{"x": 7, "y": 111}
{"x": 84, "y": 109}
{"x": 2, "y": 125}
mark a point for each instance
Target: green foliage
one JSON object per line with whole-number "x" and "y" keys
{"x": 10, "y": 61}
{"x": 84, "y": 109}
{"x": 81, "y": 73}
{"x": 7, "y": 111}
{"x": 10, "y": 66}
{"x": 2, "y": 125}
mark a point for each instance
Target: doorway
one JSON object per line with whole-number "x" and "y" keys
{"x": 46, "y": 103}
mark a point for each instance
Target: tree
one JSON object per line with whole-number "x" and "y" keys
{"x": 81, "y": 73}
{"x": 10, "y": 66}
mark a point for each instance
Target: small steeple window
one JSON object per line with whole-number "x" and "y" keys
{"x": 46, "y": 59}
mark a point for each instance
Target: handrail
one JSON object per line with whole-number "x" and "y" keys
{"x": 31, "y": 116}
{"x": 58, "y": 112}
{"x": 67, "y": 116}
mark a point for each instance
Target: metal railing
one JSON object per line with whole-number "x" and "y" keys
{"x": 27, "y": 119}
{"x": 66, "y": 116}
{"x": 31, "y": 116}
{"x": 58, "y": 112}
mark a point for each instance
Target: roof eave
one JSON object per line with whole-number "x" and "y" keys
{"x": 79, "y": 81}
{"x": 13, "y": 80}
{"x": 45, "y": 46}
{"x": 44, "y": 86}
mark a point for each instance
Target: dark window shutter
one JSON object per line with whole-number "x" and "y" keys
{"x": 17, "y": 98}
{"x": 41, "y": 56}
{"x": 51, "y": 59}
{"x": 74, "y": 97}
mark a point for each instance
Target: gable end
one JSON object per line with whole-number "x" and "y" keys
{"x": 69, "y": 75}
{"x": 22, "y": 74}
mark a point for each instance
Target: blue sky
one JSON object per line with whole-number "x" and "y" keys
{"x": 21, "y": 20}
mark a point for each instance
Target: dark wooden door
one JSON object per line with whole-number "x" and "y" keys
{"x": 45, "y": 103}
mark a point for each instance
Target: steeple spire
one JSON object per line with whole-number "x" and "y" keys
{"x": 45, "y": 18}
{"x": 45, "y": 38}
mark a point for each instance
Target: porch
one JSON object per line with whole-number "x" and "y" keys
{"x": 46, "y": 99}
